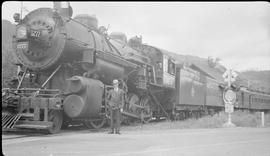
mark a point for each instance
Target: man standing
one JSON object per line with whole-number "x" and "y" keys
{"x": 116, "y": 103}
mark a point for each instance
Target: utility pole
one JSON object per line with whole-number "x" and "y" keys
{"x": 21, "y": 9}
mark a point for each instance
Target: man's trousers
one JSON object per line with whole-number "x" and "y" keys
{"x": 115, "y": 119}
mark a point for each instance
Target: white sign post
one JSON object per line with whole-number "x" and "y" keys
{"x": 229, "y": 110}
{"x": 262, "y": 116}
{"x": 229, "y": 96}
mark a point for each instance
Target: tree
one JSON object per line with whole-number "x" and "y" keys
{"x": 9, "y": 70}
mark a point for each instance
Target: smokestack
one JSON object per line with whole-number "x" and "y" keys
{"x": 63, "y": 8}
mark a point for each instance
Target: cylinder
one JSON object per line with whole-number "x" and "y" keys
{"x": 74, "y": 105}
{"x": 86, "y": 98}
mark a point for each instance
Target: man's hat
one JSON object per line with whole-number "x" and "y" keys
{"x": 115, "y": 81}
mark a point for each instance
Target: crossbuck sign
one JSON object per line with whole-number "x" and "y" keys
{"x": 229, "y": 76}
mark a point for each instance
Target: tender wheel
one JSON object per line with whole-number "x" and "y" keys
{"x": 56, "y": 117}
{"x": 97, "y": 124}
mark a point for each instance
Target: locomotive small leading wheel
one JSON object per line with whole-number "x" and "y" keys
{"x": 97, "y": 124}
{"x": 56, "y": 117}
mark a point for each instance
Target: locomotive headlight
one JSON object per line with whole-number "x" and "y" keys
{"x": 21, "y": 32}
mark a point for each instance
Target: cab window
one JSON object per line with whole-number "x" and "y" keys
{"x": 159, "y": 65}
{"x": 171, "y": 67}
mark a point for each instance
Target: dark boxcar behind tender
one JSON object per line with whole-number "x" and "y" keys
{"x": 190, "y": 88}
{"x": 213, "y": 93}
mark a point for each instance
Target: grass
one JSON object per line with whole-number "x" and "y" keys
{"x": 239, "y": 118}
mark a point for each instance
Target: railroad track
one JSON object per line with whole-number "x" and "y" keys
{"x": 24, "y": 133}
{"x": 15, "y": 134}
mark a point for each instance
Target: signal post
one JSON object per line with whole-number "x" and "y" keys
{"x": 229, "y": 96}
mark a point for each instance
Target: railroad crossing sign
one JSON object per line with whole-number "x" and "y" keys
{"x": 229, "y": 96}
{"x": 229, "y": 76}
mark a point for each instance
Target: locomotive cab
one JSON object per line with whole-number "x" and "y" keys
{"x": 164, "y": 66}
{"x": 169, "y": 71}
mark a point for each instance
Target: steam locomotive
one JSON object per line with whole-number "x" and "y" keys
{"x": 68, "y": 65}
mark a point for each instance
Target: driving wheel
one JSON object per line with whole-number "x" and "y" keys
{"x": 146, "y": 113}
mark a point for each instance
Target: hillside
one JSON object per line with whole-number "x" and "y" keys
{"x": 258, "y": 80}
{"x": 8, "y": 68}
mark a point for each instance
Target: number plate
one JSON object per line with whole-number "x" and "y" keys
{"x": 35, "y": 33}
{"x": 23, "y": 45}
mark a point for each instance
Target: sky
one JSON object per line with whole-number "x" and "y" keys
{"x": 236, "y": 32}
